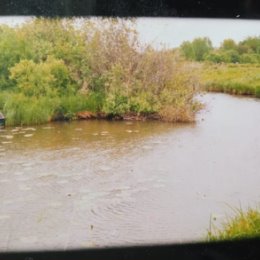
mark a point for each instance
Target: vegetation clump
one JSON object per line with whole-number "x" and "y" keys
{"x": 54, "y": 68}
{"x": 243, "y": 225}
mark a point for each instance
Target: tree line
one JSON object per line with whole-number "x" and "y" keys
{"x": 201, "y": 49}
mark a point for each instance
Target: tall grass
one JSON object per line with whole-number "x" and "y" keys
{"x": 243, "y": 225}
{"x": 235, "y": 79}
{"x": 3, "y": 97}
{"x": 22, "y": 110}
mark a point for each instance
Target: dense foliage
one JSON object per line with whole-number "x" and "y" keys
{"x": 54, "y": 68}
{"x": 200, "y": 49}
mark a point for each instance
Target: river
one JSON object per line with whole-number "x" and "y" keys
{"x": 98, "y": 183}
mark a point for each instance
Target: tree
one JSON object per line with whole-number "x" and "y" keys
{"x": 228, "y": 44}
{"x": 201, "y": 47}
{"x": 252, "y": 44}
{"x": 197, "y": 49}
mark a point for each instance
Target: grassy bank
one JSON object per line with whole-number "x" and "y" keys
{"x": 238, "y": 79}
{"x": 244, "y": 224}
{"x": 22, "y": 110}
{"x": 233, "y": 67}
{"x": 51, "y": 69}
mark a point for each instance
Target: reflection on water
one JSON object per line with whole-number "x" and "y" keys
{"x": 97, "y": 183}
{"x": 81, "y": 134}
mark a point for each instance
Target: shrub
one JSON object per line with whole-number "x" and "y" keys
{"x": 41, "y": 79}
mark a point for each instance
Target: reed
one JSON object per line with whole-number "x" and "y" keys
{"x": 243, "y": 224}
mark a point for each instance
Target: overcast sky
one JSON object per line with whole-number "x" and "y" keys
{"x": 171, "y": 32}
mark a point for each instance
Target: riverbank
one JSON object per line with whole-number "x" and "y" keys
{"x": 87, "y": 115}
{"x": 235, "y": 79}
{"x": 176, "y": 116}
{"x": 20, "y": 110}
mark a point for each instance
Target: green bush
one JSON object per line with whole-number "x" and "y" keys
{"x": 141, "y": 104}
{"x": 116, "y": 104}
{"x": 46, "y": 78}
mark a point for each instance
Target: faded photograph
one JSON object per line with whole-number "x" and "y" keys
{"x": 128, "y": 131}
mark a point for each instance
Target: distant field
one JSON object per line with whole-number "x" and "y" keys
{"x": 238, "y": 79}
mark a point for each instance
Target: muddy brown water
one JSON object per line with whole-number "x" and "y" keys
{"x": 98, "y": 183}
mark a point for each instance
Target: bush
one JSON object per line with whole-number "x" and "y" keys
{"x": 41, "y": 79}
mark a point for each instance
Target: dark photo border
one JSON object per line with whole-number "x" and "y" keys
{"x": 226, "y": 250}
{"x": 249, "y": 9}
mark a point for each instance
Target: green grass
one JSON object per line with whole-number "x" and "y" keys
{"x": 23, "y": 110}
{"x": 237, "y": 79}
{"x": 244, "y": 224}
